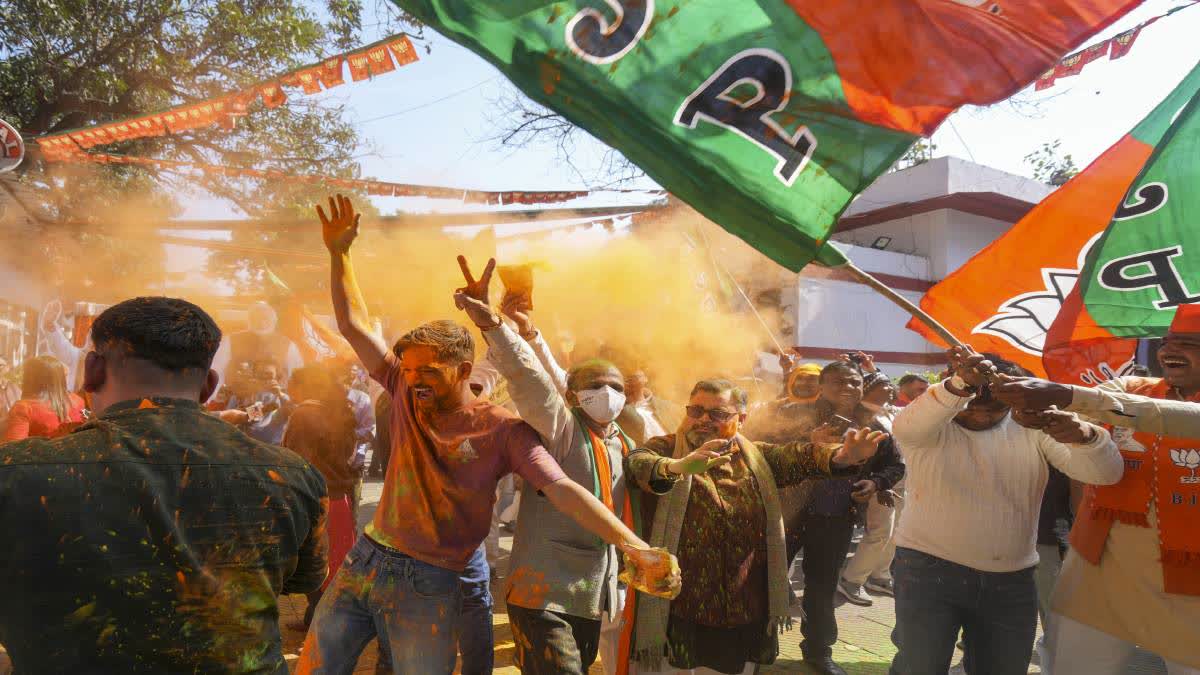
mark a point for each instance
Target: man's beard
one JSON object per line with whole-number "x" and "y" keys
{"x": 697, "y": 438}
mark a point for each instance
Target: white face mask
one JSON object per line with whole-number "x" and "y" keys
{"x": 602, "y": 404}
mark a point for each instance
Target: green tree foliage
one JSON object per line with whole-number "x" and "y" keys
{"x": 1050, "y": 166}
{"x": 920, "y": 152}
{"x": 71, "y": 63}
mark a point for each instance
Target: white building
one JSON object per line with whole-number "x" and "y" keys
{"x": 910, "y": 229}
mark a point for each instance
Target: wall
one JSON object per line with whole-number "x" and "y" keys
{"x": 834, "y": 315}
{"x": 960, "y": 237}
{"x": 944, "y": 176}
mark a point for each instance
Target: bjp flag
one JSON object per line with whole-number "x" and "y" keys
{"x": 1006, "y": 299}
{"x": 767, "y": 116}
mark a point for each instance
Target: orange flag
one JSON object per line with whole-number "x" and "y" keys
{"x": 360, "y": 66}
{"x": 380, "y": 61}
{"x": 1018, "y": 297}
{"x": 403, "y": 50}
{"x": 1005, "y": 299}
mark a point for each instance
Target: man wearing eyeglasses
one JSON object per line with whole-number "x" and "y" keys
{"x": 710, "y": 497}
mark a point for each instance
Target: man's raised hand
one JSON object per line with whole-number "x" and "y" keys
{"x": 859, "y": 446}
{"x": 518, "y": 307}
{"x": 473, "y": 298}
{"x": 340, "y": 228}
{"x": 972, "y": 367}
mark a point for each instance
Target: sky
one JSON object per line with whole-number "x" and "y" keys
{"x": 431, "y": 122}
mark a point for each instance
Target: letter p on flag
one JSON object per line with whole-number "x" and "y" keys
{"x": 771, "y": 77}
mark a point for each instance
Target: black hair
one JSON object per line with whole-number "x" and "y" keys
{"x": 840, "y": 366}
{"x": 1004, "y": 367}
{"x": 909, "y": 378}
{"x": 875, "y": 379}
{"x": 170, "y": 333}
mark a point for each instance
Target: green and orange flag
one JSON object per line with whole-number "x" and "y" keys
{"x": 1147, "y": 263}
{"x": 767, "y": 116}
{"x": 1020, "y": 296}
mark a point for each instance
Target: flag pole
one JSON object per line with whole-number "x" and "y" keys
{"x": 903, "y": 303}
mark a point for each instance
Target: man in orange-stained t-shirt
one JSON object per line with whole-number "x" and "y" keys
{"x": 401, "y": 581}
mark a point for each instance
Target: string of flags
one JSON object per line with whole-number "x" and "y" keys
{"x": 370, "y": 187}
{"x": 372, "y": 60}
{"x": 1116, "y": 47}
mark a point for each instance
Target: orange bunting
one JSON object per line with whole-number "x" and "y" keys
{"x": 374, "y": 59}
{"x": 64, "y": 150}
{"x": 380, "y": 61}
{"x": 331, "y": 72}
{"x": 403, "y": 50}
{"x": 310, "y": 80}
{"x": 272, "y": 95}
{"x": 1115, "y": 48}
{"x": 360, "y": 67}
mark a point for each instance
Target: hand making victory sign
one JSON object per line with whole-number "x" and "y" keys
{"x": 473, "y": 298}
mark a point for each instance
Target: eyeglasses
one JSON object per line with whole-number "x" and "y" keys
{"x": 715, "y": 414}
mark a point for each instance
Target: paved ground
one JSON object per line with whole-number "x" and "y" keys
{"x": 864, "y": 647}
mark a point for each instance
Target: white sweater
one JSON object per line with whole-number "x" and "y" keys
{"x": 973, "y": 497}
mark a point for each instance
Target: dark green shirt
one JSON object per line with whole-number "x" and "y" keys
{"x": 154, "y": 539}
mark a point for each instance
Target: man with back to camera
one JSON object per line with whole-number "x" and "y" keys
{"x": 155, "y": 538}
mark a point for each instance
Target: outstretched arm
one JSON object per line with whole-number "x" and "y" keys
{"x": 339, "y": 231}
{"x": 1108, "y": 403}
{"x": 570, "y": 498}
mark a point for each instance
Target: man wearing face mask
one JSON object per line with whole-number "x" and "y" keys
{"x": 260, "y": 343}
{"x": 711, "y": 496}
{"x": 563, "y": 582}
{"x": 966, "y": 547}
{"x": 402, "y": 581}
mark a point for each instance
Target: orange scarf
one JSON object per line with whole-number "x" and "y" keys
{"x": 604, "y": 478}
{"x": 1159, "y": 470}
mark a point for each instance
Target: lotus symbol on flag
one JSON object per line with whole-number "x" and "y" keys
{"x": 1188, "y": 458}
{"x": 1024, "y": 320}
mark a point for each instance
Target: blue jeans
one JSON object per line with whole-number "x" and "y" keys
{"x": 476, "y": 642}
{"x": 413, "y": 607}
{"x": 997, "y": 612}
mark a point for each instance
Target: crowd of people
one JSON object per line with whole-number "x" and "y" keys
{"x": 161, "y": 487}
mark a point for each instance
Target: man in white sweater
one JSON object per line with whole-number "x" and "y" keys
{"x": 966, "y": 544}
